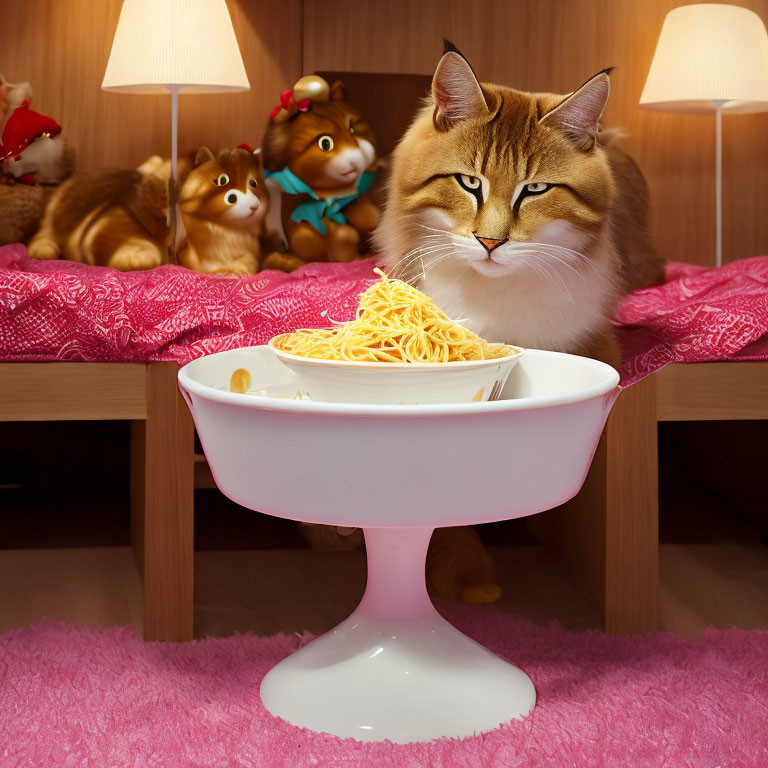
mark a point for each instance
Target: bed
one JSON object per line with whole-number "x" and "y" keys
{"x": 80, "y": 342}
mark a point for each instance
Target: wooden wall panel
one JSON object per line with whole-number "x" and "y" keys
{"x": 554, "y": 45}
{"x": 62, "y": 47}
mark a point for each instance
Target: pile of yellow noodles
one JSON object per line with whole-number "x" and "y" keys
{"x": 395, "y": 323}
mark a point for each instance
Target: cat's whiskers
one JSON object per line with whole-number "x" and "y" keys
{"x": 544, "y": 270}
{"x": 420, "y": 252}
{"x": 552, "y": 246}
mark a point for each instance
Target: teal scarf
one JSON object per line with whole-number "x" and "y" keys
{"x": 315, "y": 209}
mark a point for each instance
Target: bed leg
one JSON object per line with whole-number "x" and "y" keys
{"x": 608, "y": 535}
{"x": 162, "y": 514}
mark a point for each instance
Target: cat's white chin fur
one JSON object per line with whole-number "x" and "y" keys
{"x": 559, "y": 307}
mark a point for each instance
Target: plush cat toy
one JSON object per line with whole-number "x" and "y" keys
{"x": 223, "y": 202}
{"x": 118, "y": 218}
{"x": 33, "y": 150}
{"x": 320, "y": 160}
{"x": 22, "y": 204}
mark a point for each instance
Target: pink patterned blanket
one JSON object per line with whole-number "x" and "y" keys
{"x": 59, "y": 310}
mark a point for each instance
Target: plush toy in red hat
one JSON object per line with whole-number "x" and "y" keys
{"x": 32, "y": 149}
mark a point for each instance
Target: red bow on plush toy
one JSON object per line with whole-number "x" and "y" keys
{"x": 300, "y": 97}
{"x": 288, "y": 105}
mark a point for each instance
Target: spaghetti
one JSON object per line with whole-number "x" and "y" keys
{"x": 395, "y": 323}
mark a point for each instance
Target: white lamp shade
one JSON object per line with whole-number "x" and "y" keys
{"x": 709, "y": 53}
{"x": 184, "y": 43}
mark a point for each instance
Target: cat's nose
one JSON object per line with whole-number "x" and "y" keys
{"x": 489, "y": 243}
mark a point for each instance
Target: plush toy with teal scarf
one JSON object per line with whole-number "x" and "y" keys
{"x": 320, "y": 160}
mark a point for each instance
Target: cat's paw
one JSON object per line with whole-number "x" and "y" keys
{"x": 136, "y": 253}
{"x": 331, "y": 538}
{"x": 480, "y": 594}
{"x": 43, "y": 248}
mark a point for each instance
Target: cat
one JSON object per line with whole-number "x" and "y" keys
{"x": 223, "y": 203}
{"x": 117, "y": 218}
{"x": 326, "y": 147}
{"x": 516, "y": 214}
{"x": 519, "y": 216}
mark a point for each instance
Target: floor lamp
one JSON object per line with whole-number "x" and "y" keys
{"x": 710, "y": 58}
{"x": 176, "y": 46}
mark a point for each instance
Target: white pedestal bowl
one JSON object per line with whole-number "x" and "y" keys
{"x": 395, "y": 669}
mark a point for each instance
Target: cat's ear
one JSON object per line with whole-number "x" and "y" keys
{"x": 338, "y": 92}
{"x": 578, "y": 115}
{"x": 204, "y": 155}
{"x": 455, "y": 90}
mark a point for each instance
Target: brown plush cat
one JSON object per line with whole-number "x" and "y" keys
{"x": 117, "y": 218}
{"x": 320, "y": 156}
{"x": 514, "y": 213}
{"x": 223, "y": 202}
{"x": 107, "y": 218}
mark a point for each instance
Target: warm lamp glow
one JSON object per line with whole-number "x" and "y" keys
{"x": 708, "y": 54}
{"x": 186, "y": 43}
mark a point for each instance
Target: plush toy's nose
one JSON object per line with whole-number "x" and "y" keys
{"x": 490, "y": 243}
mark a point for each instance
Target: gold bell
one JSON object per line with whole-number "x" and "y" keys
{"x": 311, "y": 87}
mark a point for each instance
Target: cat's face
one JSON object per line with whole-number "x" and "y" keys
{"x": 327, "y": 147}
{"x": 228, "y": 189}
{"x": 492, "y": 180}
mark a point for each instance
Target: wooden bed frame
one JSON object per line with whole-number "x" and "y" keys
{"x": 162, "y": 448}
{"x": 607, "y": 535}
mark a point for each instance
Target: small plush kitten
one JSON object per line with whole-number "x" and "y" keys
{"x": 223, "y": 202}
{"x": 515, "y": 215}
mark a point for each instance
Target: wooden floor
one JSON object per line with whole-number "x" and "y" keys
{"x": 290, "y": 590}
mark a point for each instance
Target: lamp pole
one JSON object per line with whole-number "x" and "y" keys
{"x": 173, "y": 216}
{"x": 719, "y": 181}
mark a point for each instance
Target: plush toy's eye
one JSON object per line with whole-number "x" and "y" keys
{"x": 222, "y": 181}
{"x": 231, "y": 198}
{"x": 325, "y": 143}
{"x": 351, "y": 128}
{"x": 253, "y": 183}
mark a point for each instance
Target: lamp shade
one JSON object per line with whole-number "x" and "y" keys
{"x": 185, "y": 43}
{"x": 709, "y": 53}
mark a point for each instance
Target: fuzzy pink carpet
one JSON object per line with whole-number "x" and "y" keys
{"x": 103, "y": 698}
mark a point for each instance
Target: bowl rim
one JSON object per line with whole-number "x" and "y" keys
{"x": 609, "y": 384}
{"x": 371, "y": 365}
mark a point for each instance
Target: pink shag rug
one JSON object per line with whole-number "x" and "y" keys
{"x": 101, "y": 697}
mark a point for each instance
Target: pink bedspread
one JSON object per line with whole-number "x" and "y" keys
{"x": 60, "y": 310}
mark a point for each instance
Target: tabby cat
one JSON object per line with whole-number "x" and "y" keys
{"x": 515, "y": 213}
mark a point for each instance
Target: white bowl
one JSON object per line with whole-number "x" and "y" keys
{"x": 395, "y": 669}
{"x": 345, "y": 381}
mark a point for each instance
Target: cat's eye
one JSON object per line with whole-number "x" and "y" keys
{"x": 253, "y": 183}
{"x": 537, "y": 188}
{"x": 325, "y": 143}
{"x": 222, "y": 181}
{"x": 468, "y": 182}
{"x": 473, "y": 185}
{"x": 351, "y": 128}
